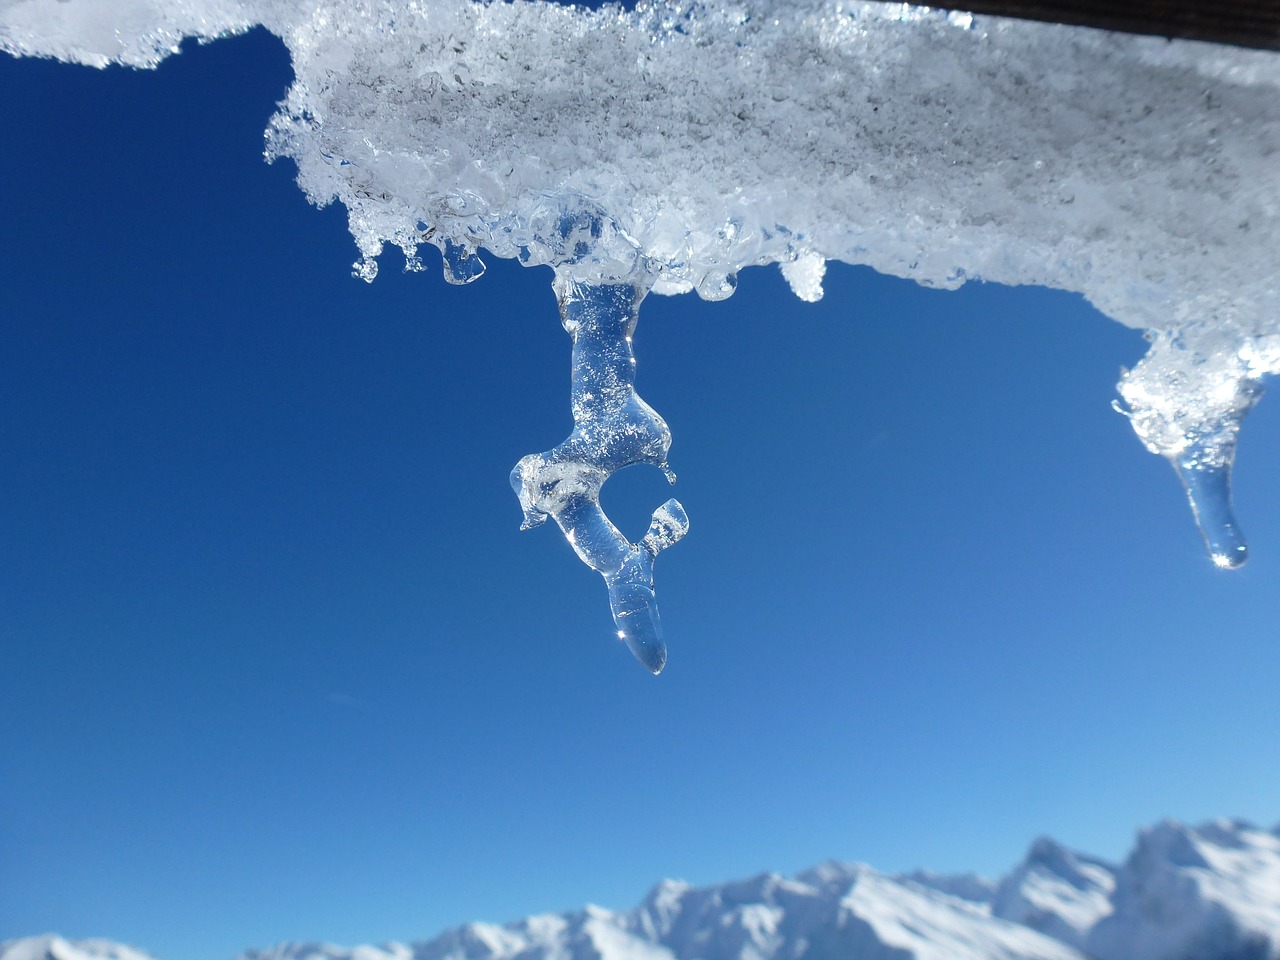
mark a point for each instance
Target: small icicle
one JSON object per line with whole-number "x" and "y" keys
{"x": 1208, "y": 486}
{"x": 612, "y": 428}
{"x": 1186, "y": 400}
{"x": 717, "y": 285}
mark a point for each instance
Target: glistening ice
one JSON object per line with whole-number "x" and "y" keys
{"x": 612, "y": 428}
{"x": 664, "y": 149}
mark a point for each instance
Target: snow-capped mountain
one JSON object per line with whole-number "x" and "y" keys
{"x": 832, "y": 912}
{"x": 1205, "y": 893}
{"x": 53, "y": 947}
{"x": 1211, "y": 892}
{"x": 1060, "y": 893}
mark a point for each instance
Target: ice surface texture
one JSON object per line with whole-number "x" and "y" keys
{"x": 668, "y": 147}
{"x": 612, "y": 428}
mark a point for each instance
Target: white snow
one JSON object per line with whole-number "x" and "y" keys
{"x": 928, "y": 927}
{"x": 1058, "y": 892}
{"x": 977, "y": 889}
{"x": 1213, "y": 890}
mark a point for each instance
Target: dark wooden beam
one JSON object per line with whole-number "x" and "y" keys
{"x": 1243, "y": 23}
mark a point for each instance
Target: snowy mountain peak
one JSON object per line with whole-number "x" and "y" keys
{"x": 1217, "y": 846}
{"x": 1210, "y": 892}
{"x": 1168, "y": 842}
{"x": 831, "y": 875}
{"x": 664, "y": 890}
{"x": 1050, "y": 853}
{"x": 1228, "y": 832}
{"x": 53, "y": 947}
{"x": 1056, "y": 891}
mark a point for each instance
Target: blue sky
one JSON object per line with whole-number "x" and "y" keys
{"x": 277, "y": 663}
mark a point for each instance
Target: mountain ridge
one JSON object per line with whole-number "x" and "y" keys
{"x": 1209, "y": 892}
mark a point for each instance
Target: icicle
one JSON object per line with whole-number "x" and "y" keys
{"x": 1208, "y": 487}
{"x": 1186, "y": 401}
{"x": 612, "y": 428}
{"x": 1204, "y": 467}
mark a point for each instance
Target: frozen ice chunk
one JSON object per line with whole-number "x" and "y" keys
{"x": 805, "y": 274}
{"x": 613, "y": 428}
{"x": 674, "y": 144}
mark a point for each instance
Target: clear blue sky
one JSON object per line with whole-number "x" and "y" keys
{"x": 276, "y": 662}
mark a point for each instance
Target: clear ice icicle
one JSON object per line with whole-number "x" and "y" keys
{"x": 1208, "y": 487}
{"x": 1186, "y": 400}
{"x": 612, "y": 428}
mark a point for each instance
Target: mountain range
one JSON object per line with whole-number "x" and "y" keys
{"x": 1210, "y": 892}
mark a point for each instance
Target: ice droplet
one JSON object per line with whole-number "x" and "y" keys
{"x": 613, "y": 428}
{"x": 1208, "y": 487}
{"x": 717, "y": 285}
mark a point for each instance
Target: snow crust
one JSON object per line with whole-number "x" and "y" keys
{"x": 670, "y": 146}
